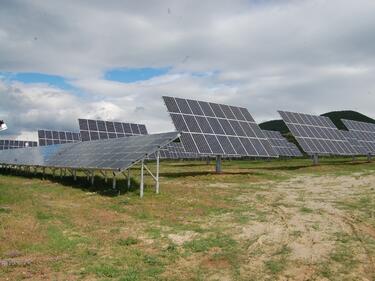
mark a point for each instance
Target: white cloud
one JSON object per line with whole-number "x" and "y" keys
{"x": 311, "y": 56}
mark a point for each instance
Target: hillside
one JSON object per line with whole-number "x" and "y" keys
{"x": 335, "y": 116}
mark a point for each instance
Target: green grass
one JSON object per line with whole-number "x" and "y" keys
{"x": 306, "y": 210}
{"x": 127, "y": 241}
{"x": 240, "y": 225}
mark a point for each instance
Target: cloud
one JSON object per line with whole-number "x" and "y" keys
{"x": 310, "y": 56}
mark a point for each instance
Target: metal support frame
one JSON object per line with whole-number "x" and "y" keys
{"x": 92, "y": 177}
{"x": 218, "y": 164}
{"x": 369, "y": 157}
{"x": 316, "y": 159}
{"x": 142, "y": 179}
{"x": 154, "y": 177}
{"x": 129, "y": 180}
{"x": 91, "y": 173}
{"x": 157, "y": 186}
{"x": 114, "y": 181}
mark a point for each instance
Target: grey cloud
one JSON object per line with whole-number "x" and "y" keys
{"x": 310, "y": 56}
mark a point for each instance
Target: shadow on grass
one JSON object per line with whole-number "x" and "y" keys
{"x": 323, "y": 162}
{"x": 209, "y": 173}
{"x": 100, "y": 186}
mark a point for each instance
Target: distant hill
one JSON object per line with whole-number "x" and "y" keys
{"x": 335, "y": 116}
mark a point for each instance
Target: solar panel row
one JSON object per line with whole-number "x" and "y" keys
{"x": 99, "y": 129}
{"x": 12, "y": 144}
{"x": 112, "y": 154}
{"x": 49, "y": 137}
{"x": 281, "y": 144}
{"x": 216, "y": 129}
{"x": 177, "y": 151}
{"x": 317, "y": 134}
{"x": 364, "y": 133}
{"x": 360, "y": 149}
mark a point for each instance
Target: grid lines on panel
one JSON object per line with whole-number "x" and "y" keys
{"x": 282, "y": 145}
{"x": 317, "y": 134}
{"x": 216, "y": 129}
{"x": 364, "y": 133}
{"x": 100, "y": 130}
{"x": 50, "y": 137}
{"x": 6, "y": 144}
{"x": 111, "y": 154}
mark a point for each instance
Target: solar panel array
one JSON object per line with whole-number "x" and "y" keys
{"x": 12, "y": 144}
{"x": 49, "y": 137}
{"x": 112, "y": 154}
{"x": 364, "y": 133}
{"x": 317, "y": 134}
{"x": 360, "y": 149}
{"x": 282, "y": 146}
{"x": 176, "y": 150}
{"x": 216, "y": 129}
{"x": 99, "y": 129}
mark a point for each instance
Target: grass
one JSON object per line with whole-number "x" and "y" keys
{"x": 248, "y": 223}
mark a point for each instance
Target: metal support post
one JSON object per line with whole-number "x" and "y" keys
{"x": 369, "y": 158}
{"x": 75, "y": 175}
{"x": 142, "y": 179}
{"x": 129, "y": 181}
{"x": 218, "y": 164}
{"x": 114, "y": 181}
{"x": 92, "y": 177}
{"x": 316, "y": 159}
{"x": 157, "y": 187}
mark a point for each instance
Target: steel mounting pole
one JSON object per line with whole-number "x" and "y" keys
{"x": 92, "y": 177}
{"x": 316, "y": 159}
{"x": 142, "y": 179}
{"x": 218, "y": 164}
{"x": 129, "y": 180}
{"x": 114, "y": 181}
{"x": 157, "y": 171}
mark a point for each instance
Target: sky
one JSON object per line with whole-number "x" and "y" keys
{"x": 114, "y": 60}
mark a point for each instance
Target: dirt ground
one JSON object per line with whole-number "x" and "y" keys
{"x": 254, "y": 222}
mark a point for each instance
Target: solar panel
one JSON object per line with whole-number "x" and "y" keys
{"x": 364, "y": 133}
{"x": 282, "y": 145}
{"x": 176, "y": 150}
{"x": 99, "y": 129}
{"x": 217, "y": 129}
{"x": 12, "y": 144}
{"x": 317, "y": 135}
{"x": 112, "y": 154}
{"x": 360, "y": 149}
{"x": 50, "y": 137}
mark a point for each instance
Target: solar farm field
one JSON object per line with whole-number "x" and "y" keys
{"x": 258, "y": 220}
